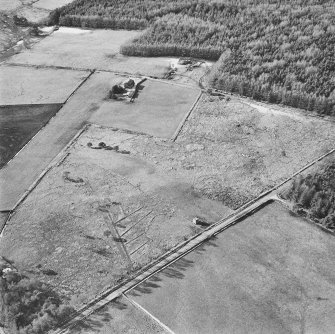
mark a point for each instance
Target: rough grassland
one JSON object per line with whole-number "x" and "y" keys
{"x": 19, "y": 124}
{"x": 67, "y": 232}
{"x": 248, "y": 150}
{"x": 158, "y": 109}
{"x": 26, "y": 85}
{"x": 90, "y": 49}
{"x": 227, "y": 153}
{"x": 271, "y": 273}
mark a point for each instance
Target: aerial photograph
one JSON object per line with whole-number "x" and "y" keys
{"x": 167, "y": 166}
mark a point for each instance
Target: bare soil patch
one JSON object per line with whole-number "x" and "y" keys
{"x": 158, "y": 109}
{"x": 28, "y": 85}
{"x": 19, "y": 124}
{"x": 271, "y": 273}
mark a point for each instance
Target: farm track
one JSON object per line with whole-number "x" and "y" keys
{"x": 183, "y": 249}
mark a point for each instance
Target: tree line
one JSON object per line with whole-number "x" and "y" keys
{"x": 277, "y": 51}
{"x": 29, "y": 306}
{"x": 315, "y": 193}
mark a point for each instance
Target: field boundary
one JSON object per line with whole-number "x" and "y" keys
{"x": 42, "y": 127}
{"x": 60, "y": 157}
{"x": 142, "y": 309}
{"x": 177, "y": 252}
{"x": 188, "y": 114}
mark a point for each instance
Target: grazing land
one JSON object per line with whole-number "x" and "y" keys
{"x": 90, "y": 49}
{"x": 249, "y": 150}
{"x": 227, "y": 153}
{"x": 51, "y": 4}
{"x": 270, "y": 273}
{"x": 29, "y": 85}
{"x": 273, "y": 51}
{"x": 158, "y": 110}
{"x": 40, "y": 151}
{"x": 19, "y": 123}
{"x": 121, "y": 317}
{"x": 156, "y": 206}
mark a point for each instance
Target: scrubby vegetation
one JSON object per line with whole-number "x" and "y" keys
{"x": 278, "y": 51}
{"x": 29, "y": 306}
{"x": 315, "y": 194}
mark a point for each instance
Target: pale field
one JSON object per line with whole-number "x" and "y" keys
{"x": 158, "y": 110}
{"x": 28, "y": 85}
{"x": 51, "y": 4}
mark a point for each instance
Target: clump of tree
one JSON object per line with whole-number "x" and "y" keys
{"x": 29, "y": 306}
{"x": 277, "y": 51}
{"x": 315, "y": 194}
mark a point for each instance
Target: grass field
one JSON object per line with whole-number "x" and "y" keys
{"x": 157, "y": 111}
{"x": 51, "y": 4}
{"x": 226, "y": 154}
{"x": 90, "y": 49}
{"x": 28, "y": 85}
{"x": 120, "y": 317}
{"x": 36, "y": 156}
{"x": 19, "y": 124}
{"x": 270, "y": 273}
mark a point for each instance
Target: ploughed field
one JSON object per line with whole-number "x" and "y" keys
{"x": 19, "y": 123}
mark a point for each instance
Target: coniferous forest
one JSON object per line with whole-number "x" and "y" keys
{"x": 315, "y": 193}
{"x": 272, "y": 50}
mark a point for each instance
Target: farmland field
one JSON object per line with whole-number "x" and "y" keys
{"x": 90, "y": 49}
{"x": 120, "y": 317}
{"x": 270, "y": 273}
{"x": 158, "y": 109}
{"x": 28, "y": 85}
{"x": 36, "y": 156}
{"x": 19, "y": 124}
{"x": 68, "y": 225}
{"x": 227, "y": 153}
{"x": 51, "y": 4}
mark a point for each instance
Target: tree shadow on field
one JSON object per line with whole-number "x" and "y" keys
{"x": 96, "y": 321}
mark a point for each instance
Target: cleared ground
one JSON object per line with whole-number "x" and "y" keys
{"x": 158, "y": 109}
{"x": 119, "y": 317}
{"x": 36, "y": 156}
{"x": 51, "y": 4}
{"x": 271, "y": 273}
{"x": 19, "y": 124}
{"x": 28, "y": 85}
{"x": 67, "y": 232}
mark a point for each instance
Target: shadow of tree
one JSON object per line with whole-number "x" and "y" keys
{"x": 175, "y": 270}
{"x": 96, "y": 321}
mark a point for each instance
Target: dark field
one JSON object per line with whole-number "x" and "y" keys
{"x": 19, "y": 124}
{"x": 271, "y": 273}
